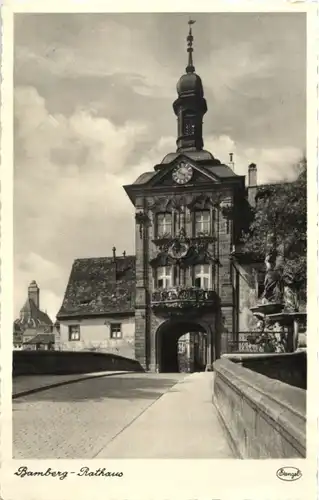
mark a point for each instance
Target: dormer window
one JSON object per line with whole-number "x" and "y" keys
{"x": 164, "y": 224}
{"x": 202, "y": 222}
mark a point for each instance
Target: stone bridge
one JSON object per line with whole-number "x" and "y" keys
{"x": 249, "y": 407}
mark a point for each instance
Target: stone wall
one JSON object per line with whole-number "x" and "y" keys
{"x": 64, "y": 362}
{"x": 290, "y": 368}
{"x": 263, "y": 417}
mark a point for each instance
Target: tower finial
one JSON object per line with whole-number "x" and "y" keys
{"x": 190, "y": 67}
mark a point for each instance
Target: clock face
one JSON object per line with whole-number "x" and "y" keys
{"x": 182, "y": 173}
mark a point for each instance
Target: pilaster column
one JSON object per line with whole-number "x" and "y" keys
{"x": 209, "y": 354}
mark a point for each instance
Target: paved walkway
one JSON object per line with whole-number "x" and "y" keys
{"x": 182, "y": 423}
{"x": 132, "y": 415}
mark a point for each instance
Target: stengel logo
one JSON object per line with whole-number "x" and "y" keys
{"x": 288, "y": 473}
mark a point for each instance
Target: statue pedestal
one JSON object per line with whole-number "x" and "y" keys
{"x": 266, "y": 309}
{"x": 290, "y": 321}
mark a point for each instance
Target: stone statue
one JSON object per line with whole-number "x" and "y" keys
{"x": 273, "y": 279}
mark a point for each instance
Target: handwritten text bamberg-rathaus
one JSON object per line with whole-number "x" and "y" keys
{"x": 24, "y": 472}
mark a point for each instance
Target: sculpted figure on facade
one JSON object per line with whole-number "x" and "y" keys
{"x": 273, "y": 284}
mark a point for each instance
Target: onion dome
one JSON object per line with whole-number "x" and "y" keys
{"x": 190, "y": 106}
{"x": 190, "y": 83}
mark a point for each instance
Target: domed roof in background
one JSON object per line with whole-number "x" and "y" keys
{"x": 190, "y": 83}
{"x": 31, "y": 316}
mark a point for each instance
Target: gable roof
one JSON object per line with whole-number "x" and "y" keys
{"x": 144, "y": 178}
{"x": 222, "y": 171}
{"x": 209, "y": 169}
{"x": 197, "y": 155}
{"x": 100, "y": 286}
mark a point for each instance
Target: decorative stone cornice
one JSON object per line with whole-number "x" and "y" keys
{"x": 179, "y": 202}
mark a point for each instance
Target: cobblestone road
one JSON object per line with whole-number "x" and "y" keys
{"x": 80, "y": 419}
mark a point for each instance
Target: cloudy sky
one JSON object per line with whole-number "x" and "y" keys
{"x": 93, "y": 110}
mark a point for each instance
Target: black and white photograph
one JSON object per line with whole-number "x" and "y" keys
{"x": 160, "y": 238}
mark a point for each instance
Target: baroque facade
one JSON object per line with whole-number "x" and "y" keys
{"x": 186, "y": 277}
{"x": 189, "y": 214}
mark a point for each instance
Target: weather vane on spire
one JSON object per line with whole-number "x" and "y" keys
{"x": 190, "y": 67}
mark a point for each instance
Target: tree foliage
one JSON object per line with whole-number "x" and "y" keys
{"x": 281, "y": 210}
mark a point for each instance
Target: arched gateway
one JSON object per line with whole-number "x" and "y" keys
{"x": 186, "y": 228}
{"x": 170, "y": 354}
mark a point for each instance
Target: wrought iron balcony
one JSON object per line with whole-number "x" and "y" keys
{"x": 180, "y": 298}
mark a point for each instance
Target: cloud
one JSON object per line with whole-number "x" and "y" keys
{"x": 273, "y": 164}
{"x": 252, "y": 66}
{"x": 60, "y": 206}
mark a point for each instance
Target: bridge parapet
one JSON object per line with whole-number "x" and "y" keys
{"x": 263, "y": 417}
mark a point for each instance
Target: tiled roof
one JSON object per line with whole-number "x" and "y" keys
{"x": 100, "y": 286}
{"x": 144, "y": 178}
{"x": 42, "y": 338}
{"x": 214, "y": 167}
{"x": 201, "y": 155}
{"x": 222, "y": 171}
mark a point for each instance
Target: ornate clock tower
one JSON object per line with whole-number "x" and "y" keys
{"x": 190, "y": 106}
{"x": 186, "y": 226}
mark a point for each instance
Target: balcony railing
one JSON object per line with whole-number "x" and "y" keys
{"x": 183, "y": 298}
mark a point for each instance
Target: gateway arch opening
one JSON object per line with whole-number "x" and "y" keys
{"x": 181, "y": 347}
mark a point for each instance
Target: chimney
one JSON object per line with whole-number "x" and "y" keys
{"x": 252, "y": 175}
{"x": 34, "y": 293}
{"x": 124, "y": 254}
{"x": 114, "y": 254}
{"x": 252, "y": 184}
{"x": 231, "y": 163}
